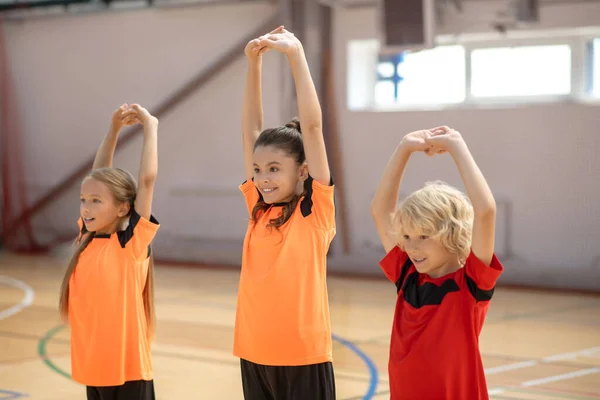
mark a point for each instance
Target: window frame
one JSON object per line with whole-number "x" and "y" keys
{"x": 520, "y": 100}
{"x": 579, "y": 41}
{"x": 590, "y": 66}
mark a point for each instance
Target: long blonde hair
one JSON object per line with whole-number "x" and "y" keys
{"x": 124, "y": 190}
{"x": 439, "y": 211}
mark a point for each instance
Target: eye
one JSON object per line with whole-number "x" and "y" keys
{"x": 97, "y": 201}
{"x": 423, "y": 237}
{"x": 406, "y": 237}
{"x": 274, "y": 169}
{"x": 256, "y": 170}
{"x": 82, "y": 200}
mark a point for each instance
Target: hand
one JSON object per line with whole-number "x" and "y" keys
{"x": 283, "y": 41}
{"x": 142, "y": 116}
{"x": 420, "y": 141}
{"x": 122, "y": 117}
{"x": 254, "y": 49}
{"x": 444, "y": 139}
{"x": 415, "y": 141}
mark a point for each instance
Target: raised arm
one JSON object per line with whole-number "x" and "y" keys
{"x": 480, "y": 194}
{"x": 252, "y": 109}
{"x": 309, "y": 109}
{"x": 149, "y": 162}
{"x": 120, "y": 118}
{"x": 385, "y": 200}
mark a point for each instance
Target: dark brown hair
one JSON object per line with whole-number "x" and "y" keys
{"x": 289, "y": 139}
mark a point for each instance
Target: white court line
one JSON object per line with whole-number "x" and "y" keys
{"x": 562, "y": 377}
{"x": 26, "y": 301}
{"x": 492, "y": 392}
{"x": 591, "y": 352}
{"x": 510, "y": 367}
{"x": 574, "y": 355}
{"x": 549, "y": 379}
{"x": 530, "y": 363}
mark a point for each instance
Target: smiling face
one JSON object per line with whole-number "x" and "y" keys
{"x": 100, "y": 211}
{"x": 427, "y": 253}
{"x": 433, "y": 226}
{"x": 277, "y": 175}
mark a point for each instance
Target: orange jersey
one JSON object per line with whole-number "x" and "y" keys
{"x": 282, "y": 314}
{"x": 110, "y": 341}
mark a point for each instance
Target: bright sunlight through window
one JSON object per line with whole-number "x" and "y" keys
{"x": 434, "y": 76}
{"x": 521, "y": 71}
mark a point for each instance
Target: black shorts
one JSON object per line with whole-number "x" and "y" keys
{"x": 314, "y": 382}
{"x": 131, "y": 390}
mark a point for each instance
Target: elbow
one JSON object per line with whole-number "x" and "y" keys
{"x": 148, "y": 180}
{"x": 375, "y": 209}
{"x": 314, "y": 126}
{"x": 487, "y": 210}
{"x": 373, "y": 206}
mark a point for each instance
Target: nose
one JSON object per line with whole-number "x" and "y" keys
{"x": 265, "y": 178}
{"x": 410, "y": 245}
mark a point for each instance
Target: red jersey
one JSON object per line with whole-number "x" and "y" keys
{"x": 434, "y": 351}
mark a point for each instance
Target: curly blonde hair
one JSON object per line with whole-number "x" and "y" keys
{"x": 439, "y": 211}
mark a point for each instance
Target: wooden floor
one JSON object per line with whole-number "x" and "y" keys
{"x": 535, "y": 344}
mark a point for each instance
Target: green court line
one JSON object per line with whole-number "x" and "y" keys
{"x": 44, "y": 356}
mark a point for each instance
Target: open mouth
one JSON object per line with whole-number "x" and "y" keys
{"x": 88, "y": 219}
{"x": 418, "y": 260}
{"x": 268, "y": 190}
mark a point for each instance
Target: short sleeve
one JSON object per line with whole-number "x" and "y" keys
{"x": 392, "y": 264}
{"x": 484, "y": 276}
{"x": 139, "y": 235}
{"x": 480, "y": 278}
{"x": 319, "y": 205}
{"x": 251, "y": 195}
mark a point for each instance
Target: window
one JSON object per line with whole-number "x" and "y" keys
{"x": 595, "y": 67}
{"x": 521, "y": 71}
{"x": 434, "y": 76}
{"x": 476, "y": 70}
